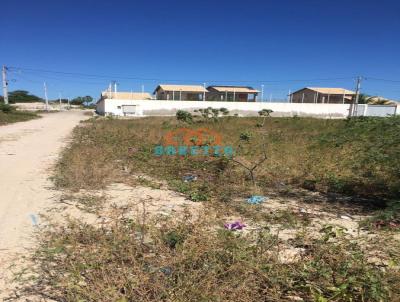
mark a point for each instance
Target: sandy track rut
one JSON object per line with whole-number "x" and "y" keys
{"x": 27, "y": 151}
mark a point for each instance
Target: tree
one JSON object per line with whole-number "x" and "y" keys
{"x": 363, "y": 98}
{"x": 81, "y": 100}
{"x": 77, "y": 101}
{"x": 87, "y": 99}
{"x": 264, "y": 113}
{"x": 373, "y": 100}
{"x": 23, "y": 96}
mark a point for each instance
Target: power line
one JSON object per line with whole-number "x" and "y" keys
{"x": 54, "y": 78}
{"x": 63, "y": 73}
{"x": 174, "y": 80}
{"x": 384, "y": 80}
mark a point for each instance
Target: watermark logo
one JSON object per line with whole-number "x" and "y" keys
{"x": 193, "y": 142}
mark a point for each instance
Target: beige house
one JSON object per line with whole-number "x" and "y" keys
{"x": 323, "y": 95}
{"x": 232, "y": 93}
{"x": 180, "y": 92}
{"x": 126, "y": 95}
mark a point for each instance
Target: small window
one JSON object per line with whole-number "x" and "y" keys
{"x": 119, "y": 107}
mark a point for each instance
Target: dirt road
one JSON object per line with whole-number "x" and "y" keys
{"x": 27, "y": 151}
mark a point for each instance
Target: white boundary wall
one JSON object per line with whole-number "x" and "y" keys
{"x": 376, "y": 110}
{"x": 169, "y": 108}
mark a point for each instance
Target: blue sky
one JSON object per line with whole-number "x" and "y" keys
{"x": 280, "y": 44}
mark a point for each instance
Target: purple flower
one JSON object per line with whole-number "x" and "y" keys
{"x": 234, "y": 226}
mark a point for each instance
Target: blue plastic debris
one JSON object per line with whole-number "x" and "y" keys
{"x": 166, "y": 270}
{"x": 190, "y": 177}
{"x": 256, "y": 199}
{"x": 33, "y": 219}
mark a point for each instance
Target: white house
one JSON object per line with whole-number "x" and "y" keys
{"x": 120, "y": 103}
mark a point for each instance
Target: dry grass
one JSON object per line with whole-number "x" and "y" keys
{"x": 16, "y": 116}
{"x": 359, "y": 157}
{"x": 135, "y": 259}
{"x": 143, "y": 258}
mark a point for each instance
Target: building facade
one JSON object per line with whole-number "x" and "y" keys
{"x": 180, "y": 92}
{"x": 323, "y": 95}
{"x": 232, "y": 93}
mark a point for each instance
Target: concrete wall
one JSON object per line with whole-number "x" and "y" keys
{"x": 169, "y": 108}
{"x": 376, "y": 110}
{"x": 39, "y": 106}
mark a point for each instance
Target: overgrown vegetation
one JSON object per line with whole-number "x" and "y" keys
{"x": 23, "y": 96}
{"x": 197, "y": 260}
{"x": 354, "y": 157}
{"x": 9, "y": 114}
{"x": 175, "y": 258}
{"x": 204, "y": 115}
{"x": 369, "y": 151}
{"x": 184, "y": 116}
{"x": 387, "y": 218}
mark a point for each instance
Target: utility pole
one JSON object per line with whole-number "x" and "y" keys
{"x": 45, "y": 96}
{"x": 262, "y": 93}
{"x": 354, "y": 106}
{"x": 59, "y": 96}
{"x": 204, "y": 92}
{"x": 5, "y": 84}
{"x": 69, "y": 104}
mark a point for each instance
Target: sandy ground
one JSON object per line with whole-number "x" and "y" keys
{"x": 27, "y": 151}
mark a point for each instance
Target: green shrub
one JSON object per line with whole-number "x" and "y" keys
{"x": 388, "y": 218}
{"x": 173, "y": 238}
{"x": 184, "y": 116}
{"x": 265, "y": 112}
{"x": 224, "y": 111}
{"x": 5, "y": 108}
{"x": 245, "y": 136}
